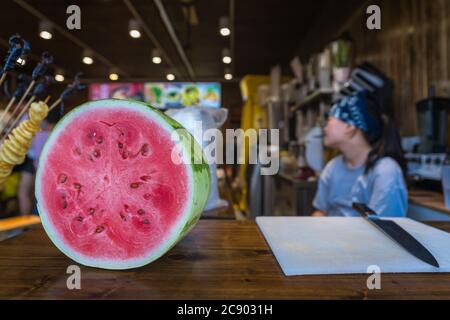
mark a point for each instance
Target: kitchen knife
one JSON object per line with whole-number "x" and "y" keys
{"x": 397, "y": 234}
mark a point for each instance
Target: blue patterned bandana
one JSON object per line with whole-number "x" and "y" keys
{"x": 353, "y": 111}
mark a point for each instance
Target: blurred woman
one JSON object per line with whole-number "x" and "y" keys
{"x": 371, "y": 166}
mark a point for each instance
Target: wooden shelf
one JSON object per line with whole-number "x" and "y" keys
{"x": 429, "y": 199}
{"x": 313, "y": 97}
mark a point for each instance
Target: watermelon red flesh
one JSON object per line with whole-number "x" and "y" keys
{"x": 109, "y": 191}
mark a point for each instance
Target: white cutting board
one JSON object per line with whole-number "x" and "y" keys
{"x": 316, "y": 246}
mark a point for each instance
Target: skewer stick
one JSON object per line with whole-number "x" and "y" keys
{"x": 12, "y": 117}
{"x": 11, "y": 102}
{"x": 3, "y": 77}
{"x": 25, "y": 109}
{"x": 30, "y": 101}
{"x": 27, "y": 106}
{"x": 54, "y": 105}
{"x": 30, "y": 86}
{"x": 17, "y": 119}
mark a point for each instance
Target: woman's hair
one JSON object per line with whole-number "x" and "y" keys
{"x": 384, "y": 144}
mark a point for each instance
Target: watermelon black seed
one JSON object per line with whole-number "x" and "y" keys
{"x": 145, "y": 221}
{"x": 135, "y": 185}
{"x": 91, "y": 211}
{"x": 145, "y": 178}
{"x": 120, "y": 145}
{"x": 100, "y": 140}
{"x": 80, "y": 218}
{"x": 141, "y": 212}
{"x": 123, "y": 217}
{"x": 99, "y": 229}
{"x": 62, "y": 178}
{"x": 77, "y": 186}
{"x": 97, "y": 153}
{"x": 144, "y": 150}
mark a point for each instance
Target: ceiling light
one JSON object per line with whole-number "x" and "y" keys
{"x": 133, "y": 29}
{"x": 228, "y": 75}
{"x": 45, "y": 35}
{"x": 226, "y": 56}
{"x": 156, "y": 56}
{"x": 170, "y": 76}
{"x": 135, "y": 34}
{"x": 224, "y": 26}
{"x": 21, "y": 61}
{"x": 59, "y": 75}
{"x": 113, "y": 75}
{"x": 225, "y": 32}
{"x": 88, "y": 60}
{"x": 156, "y": 60}
{"x": 45, "y": 30}
{"x": 87, "y": 57}
{"x": 226, "y": 60}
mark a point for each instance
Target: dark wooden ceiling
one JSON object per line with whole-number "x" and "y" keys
{"x": 266, "y": 32}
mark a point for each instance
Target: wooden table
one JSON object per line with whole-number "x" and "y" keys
{"x": 217, "y": 260}
{"x": 429, "y": 199}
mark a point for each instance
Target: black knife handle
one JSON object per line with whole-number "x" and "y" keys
{"x": 364, "y": 210}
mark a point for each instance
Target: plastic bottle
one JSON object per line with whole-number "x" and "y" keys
{"x": 446, "y": 180}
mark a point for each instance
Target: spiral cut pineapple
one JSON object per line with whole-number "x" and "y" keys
{"x": 15, "y": 148}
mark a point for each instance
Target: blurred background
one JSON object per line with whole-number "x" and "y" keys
{"x": 270, "y": 64}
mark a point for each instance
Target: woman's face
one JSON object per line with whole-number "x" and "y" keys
{"x": 337, "y": 132}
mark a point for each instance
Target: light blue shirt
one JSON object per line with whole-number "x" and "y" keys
{"x": 383, "y": 189}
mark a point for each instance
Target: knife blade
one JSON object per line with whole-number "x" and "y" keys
{"x": 397, "y": 234}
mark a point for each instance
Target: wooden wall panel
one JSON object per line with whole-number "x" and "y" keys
{"x": 412, "y": 48}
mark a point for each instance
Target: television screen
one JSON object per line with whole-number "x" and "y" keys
{"x": 183, "y": 94}
{"x": 163, "y": 95}
{"x": 134, "y": 91}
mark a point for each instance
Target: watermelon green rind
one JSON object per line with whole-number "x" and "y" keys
{"x": 199, "y": 177}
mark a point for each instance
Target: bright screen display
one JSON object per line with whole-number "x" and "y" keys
{"x": 163, "y": 95}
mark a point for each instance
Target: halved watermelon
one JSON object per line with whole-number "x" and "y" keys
{"x": 107, "y": 189}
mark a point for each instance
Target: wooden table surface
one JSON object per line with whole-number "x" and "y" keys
{"x": 429, "y": 199}
{"x": 217, "y": 260}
